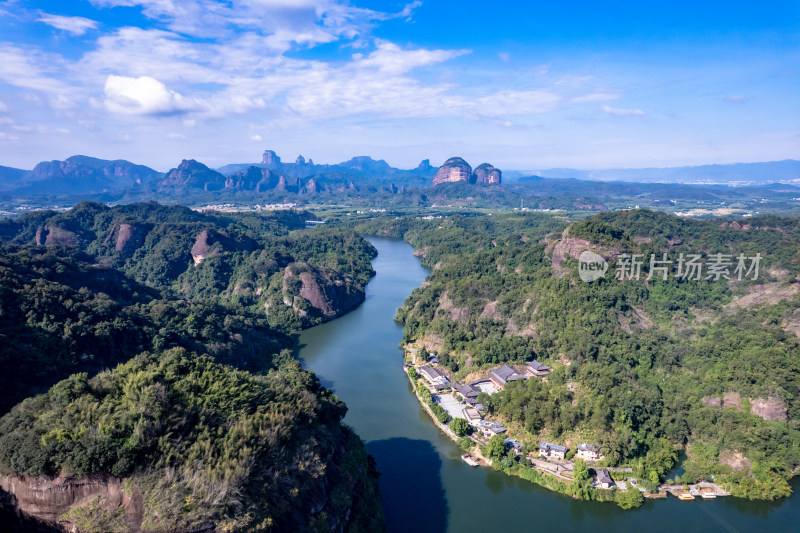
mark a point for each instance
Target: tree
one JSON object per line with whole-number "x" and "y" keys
{"x": 425, "y": 394}
{"x": 629, "y": 499}
{"x": 580, "y": 480}
{"x": 495, "y": 449}
{"x": 460, "y": 427}
{"x": 412, "y": 373}
{"x": 580, "y": 472}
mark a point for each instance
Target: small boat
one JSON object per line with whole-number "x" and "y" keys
{"x": 467, "y": 458}
{"x": 685, "y": 496}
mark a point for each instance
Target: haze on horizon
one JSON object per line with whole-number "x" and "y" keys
{"x": 531, "y": 85}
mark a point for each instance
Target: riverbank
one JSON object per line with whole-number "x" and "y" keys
{"x": 551, "y": 480}
{"x": 422, "y": 473}
{"x": 557, "y": 476}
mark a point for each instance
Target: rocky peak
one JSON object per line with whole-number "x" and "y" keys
{"x": 425, "y": 166}
{"x": 486, "y": 174}
{"x": 453, "y": 170}
{"x": 270, "y": 158}
{"x": 191, "y": 173}
{"x": 300, "y": 160}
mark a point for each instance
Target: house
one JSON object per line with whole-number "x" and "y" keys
{"x": 536, "y": 369}
{"x": 604, "y": 480}
{"x": 433, "y": 376}
{"x": 553, "y": 451}
{"x": 504, "y": 374}
{"x": 514, "y": 445}
{"x": 467, "y": 392}
{"x": 490, "y": 429}
{"x": 472, "y": 416}
{"x": 589, "y": 452}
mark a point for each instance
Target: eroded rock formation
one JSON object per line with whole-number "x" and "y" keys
{"x": 453, "y": 170}
{"x": 486, "y": 174}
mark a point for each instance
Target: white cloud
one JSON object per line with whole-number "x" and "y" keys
{"x": 288, "y": 21}
{"x": 27, "y": 68}
{"x": 142, "y": 96}
{"x": 594, "y": 97}
{"x": 255, "y": 137}
{"x": 622, "y": 112}
{"x": 3, "y": 107}
{"x": 73, "y": 25}
{"x": 736, "y": 99}
{"x": 505, "y": 57}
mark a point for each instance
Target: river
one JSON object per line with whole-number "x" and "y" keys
{"x": 424, "y": 484}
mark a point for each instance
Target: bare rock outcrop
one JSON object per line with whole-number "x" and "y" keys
{"x": 736, "y": 460}
{"x": 486, "y": 174}
{"x": 210, "y": 243}
{"x": 46, "y": 235}
{"x": 453, "y": 170}
{"x": 328, "y": 293}
{"x": 47, "y": 499}
{"x": 202, "y": 248}
{"x": 771, "y": 408}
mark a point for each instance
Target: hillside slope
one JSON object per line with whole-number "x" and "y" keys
{"x": 640, "y": 366}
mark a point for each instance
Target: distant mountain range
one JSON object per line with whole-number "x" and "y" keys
{"x": 78, "y": 174}
{"x": 361, "y": 176}
{"x": 745, "y": 173}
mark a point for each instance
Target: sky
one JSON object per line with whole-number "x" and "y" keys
{"x": 522, "y": 85}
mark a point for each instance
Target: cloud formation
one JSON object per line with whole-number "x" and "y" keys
{"x": 73, "y": 25}
{"x": 621, "y": 112}
{"x": 142, "y": 96}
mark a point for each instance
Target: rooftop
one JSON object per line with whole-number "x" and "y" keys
{"x": 504, "y": 374}
{"x": 536, "y": 365}
{"x": 603, "y": 477}
{"x": 554, "y": 447}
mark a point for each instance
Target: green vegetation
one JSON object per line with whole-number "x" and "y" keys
{"x": 495, "y": 449}
{"x": 460, "y": 427}
{"x": 629, "y": 499}
{"x": 637, "y": 364}
{"x": 206, "y": 415}
{"x": 259, "y": 261}
{"x": 193, "y": 437}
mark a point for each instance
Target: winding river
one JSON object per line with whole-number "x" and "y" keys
{"x": 424, "y": 484}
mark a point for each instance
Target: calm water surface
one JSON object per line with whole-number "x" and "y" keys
{"x": 425, "y": 485}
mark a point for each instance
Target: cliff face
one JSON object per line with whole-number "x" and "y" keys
{"x": 454, "y": 169}
{"x": 46, "y": 235}
{"x": 47, "y": 499}
{"x": 486, "y": 174}
{"x": 211, "y": 242}
{"x": 325, "y": 291}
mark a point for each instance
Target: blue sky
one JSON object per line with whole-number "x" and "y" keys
{"x": 523, "y": 85}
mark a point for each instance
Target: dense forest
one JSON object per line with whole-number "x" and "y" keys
{"x": 643, "y": 367}
{"x": 152, "y": 345}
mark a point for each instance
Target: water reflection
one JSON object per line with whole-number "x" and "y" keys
{"x": 411, "y": 484}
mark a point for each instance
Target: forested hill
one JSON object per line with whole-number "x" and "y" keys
{"x": 640, "y": 366}
{"x": 297, "y": 278}
{"x": 208, "y": 420}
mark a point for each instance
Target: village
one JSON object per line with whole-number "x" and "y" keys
{"x": 460, "y": 400}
